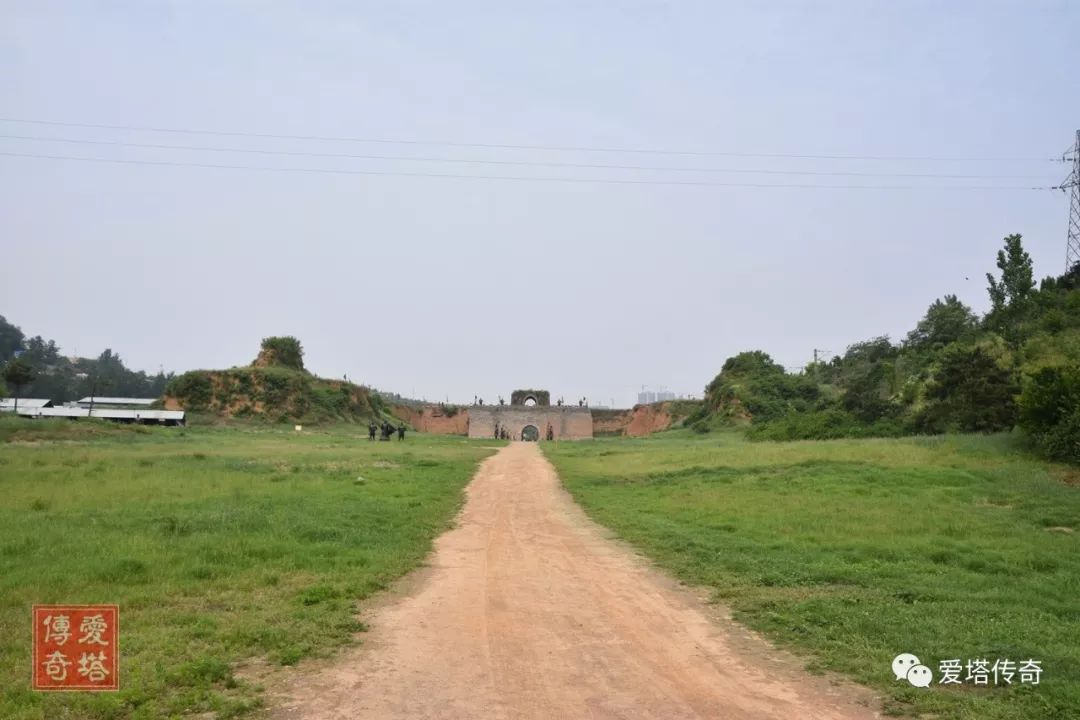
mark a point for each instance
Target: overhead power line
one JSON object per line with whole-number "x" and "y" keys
{"x": 516, "y": 178}
{"x": 518, "y": 163}
{"x": 508, "y": 146}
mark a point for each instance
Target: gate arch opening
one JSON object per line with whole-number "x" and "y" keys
{"x": 530, "y": 433}
{"x": 529, "y": 401}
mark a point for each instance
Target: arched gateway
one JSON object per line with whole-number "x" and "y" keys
{"x": 531, "y": 416}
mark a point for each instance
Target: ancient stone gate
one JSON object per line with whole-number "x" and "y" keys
{"x": 530, "y": 409}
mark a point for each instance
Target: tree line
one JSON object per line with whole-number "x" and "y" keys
{"x": 34, "y": 367}
{"x": 1017, "y": 365}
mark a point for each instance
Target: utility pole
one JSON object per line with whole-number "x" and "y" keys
{"x": 817, "y": 352}
{"x": 1072, "y": 184}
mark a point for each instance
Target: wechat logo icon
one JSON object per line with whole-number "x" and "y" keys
{"x": 907, "y": 667}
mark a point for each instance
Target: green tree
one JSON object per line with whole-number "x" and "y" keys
{"x": 1011, "y": 295}
{"x": 971, "y": 391}
{"x": 282, "y": 351}
{"x": 751, "y": 362}
{"x": 947, "y": 320}
{"x": 866, "y": 376}
{"x": 1071, "y": 279}
{"x": 11, "y": 339}
{"x": 18, "y": 373}
{"x": 1050, "y": 411}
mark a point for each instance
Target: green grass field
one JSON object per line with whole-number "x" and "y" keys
{"x": 218, "y": 544}
{"x": 225, "y": 544}
{"x": 851, "y": 552}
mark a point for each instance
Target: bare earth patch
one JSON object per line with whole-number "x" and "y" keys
{"x": 529, "y": 610}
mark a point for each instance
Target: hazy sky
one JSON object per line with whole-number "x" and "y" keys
{"x": 443, "y": 287}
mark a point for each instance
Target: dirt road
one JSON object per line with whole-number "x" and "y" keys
{"x": 529, "y": 611}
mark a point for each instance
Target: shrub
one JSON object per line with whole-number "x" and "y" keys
{"x": 284, "y": 351}
{"x": 752, "y": 382}
{"x": 277, "y": 385}
{"x": 1050, "y": 411}
{"x": 969, "y": 392}
{"x": 1062, "y": 442}
{"x": 700, "y": 413}
{"x": 193, "y": 389}
{"x": 826, "y": 424}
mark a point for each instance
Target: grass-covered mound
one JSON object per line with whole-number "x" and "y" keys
{"x": 276, "y": 394}
{"x": 275, "y": 387}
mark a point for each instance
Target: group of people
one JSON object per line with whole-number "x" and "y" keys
{"x": 387, "y": 429}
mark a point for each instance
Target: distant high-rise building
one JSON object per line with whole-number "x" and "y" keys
{"x": 647, "y": 397}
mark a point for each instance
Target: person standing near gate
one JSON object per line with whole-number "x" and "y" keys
{"x": 401, "y": 431}
{"x": 371, "y": 430}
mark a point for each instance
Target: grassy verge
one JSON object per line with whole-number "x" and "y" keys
{"x": 217, "y": 544}
{"x": 854, "y": 551}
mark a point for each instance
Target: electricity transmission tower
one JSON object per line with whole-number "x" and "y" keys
{"x": 1072, "y": 184}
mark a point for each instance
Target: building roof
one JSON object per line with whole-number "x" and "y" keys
{"x": 9, "y": 403}
{"x": 105, "y": 413}
{"x": 99, "y": 400}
